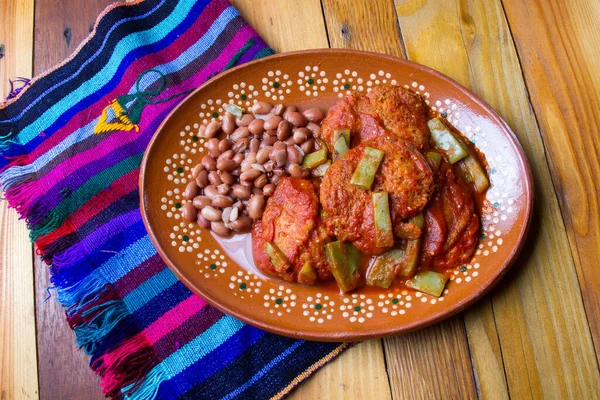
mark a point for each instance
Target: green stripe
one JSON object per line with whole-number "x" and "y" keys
{"x": 267, "y": 51}
{"x": 83, "y": 194}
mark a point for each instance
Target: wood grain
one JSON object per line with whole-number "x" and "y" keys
{"x": 63, "y": 368}
{"x": 558, "y": 53}
{"x": 541, "y": 331}
{"x": 444, "y": 345}
{"x": 286, "y": 25}
{"x": 18, "y": 358}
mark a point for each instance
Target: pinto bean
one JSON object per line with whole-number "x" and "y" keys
{"x": 296, "y": 119}
{"x": 226, "y": 165}
{"x": 268, "y": 141}
{"x": 261, "y": 181}
{"x": 244, "y": 120}
{"x": 202, "y": 179}
{"x": 209, "y": 163}
{"x": 227, "y": 155}
{"x": 288, "y": 110}
{"x": 294, "y": 154}
{"x": 254, "y": 145}
{"x": 241, "y": 145}
{"x": 272, "y": 122}
{"x": 278, "y": 154}
{"x": 279, "y": 109}
{"x": 249, "y": 175}
{"x": 212, "y": 129}
{"x": 213, "y": 147}
{"x": 248, "y": 161}
{"x": 308, "y": 146}
{"x": 221, "y": 201}
{"x": 256, "y": 206}
{"x": 212, "y": 214}
{"x": 257, "y": 126}
{"x": 268, "y": 190}
{"x": 214, "y": 178}
{"x": 227, "y": 178}
{"x": 297, "y": 171}
{"x": 239, "y": 133}
{"x": 191, "y": 190}
{"x": 301, "y": 135}
{"x": 228, "y": 123}
{"x": 189, "y": 212}
{"x": 220, "y": 229}
{"x": 241, "y": 192}
{"x": 203, "y": 222}
{"x": 261, "y": 108}
{"x": 210, "y": 191}
{"x": 241, "y": 224}
{"x": 263, "y": 155}
{"x": 224, "y": 145}
{"x": 201, "y": 201}
{"x": 315, "y": 129}
{"x": 196, "y": 170}
{"x": 314, "y": 114}
{"x": 223, "y": 189}
{"x": 284, "y": 130}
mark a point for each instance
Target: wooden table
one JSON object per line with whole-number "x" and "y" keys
{"x": 536, "y": 335}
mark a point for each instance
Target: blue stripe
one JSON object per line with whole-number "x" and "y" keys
{"x": 264, "y": 370}
{"x": 149, "y": 289}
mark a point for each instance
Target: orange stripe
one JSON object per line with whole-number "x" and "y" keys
{"x": 312, "y": 369}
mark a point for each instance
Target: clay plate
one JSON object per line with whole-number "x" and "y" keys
{"x": 222, "y": 271}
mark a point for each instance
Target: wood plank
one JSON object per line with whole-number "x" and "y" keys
{"x": 286, "y": 25}
{"x": 437, "y": 353}
{"x": 359, "y": 373}
{"x": 558, "y": 52}
{"x": 542, "y": 336}
{"x": 354, "y": 27}
{"x": 296, "y": 26}
{"x": 57, "y": 35}
{"x": 18, "y": 356}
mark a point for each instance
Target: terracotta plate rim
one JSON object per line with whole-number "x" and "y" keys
{"x": 367, "y": 334}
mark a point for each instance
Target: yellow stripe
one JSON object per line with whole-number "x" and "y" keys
{"x": 312, "y": 369}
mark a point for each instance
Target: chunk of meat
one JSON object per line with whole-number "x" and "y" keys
{"x": 451, "y": 224}
{"x": 404, "y": 174}
{"x": 291, "y": 221}
{"x": 385, "y": 108}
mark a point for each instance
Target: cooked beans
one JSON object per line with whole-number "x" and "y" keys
{"x": 272, "y": 122}
{"x": 209, "y": 163}
{"x": 212, "y": 129}
{"x": 294, "y": 154}
{"x": 189, "y": 212}
{"x": 226, "y": 165}
{"x": 211, "y": 213}
{"x": 220, "y": 229}
{"x": 229, "y": 187}
{"x": 244, "y": 120}
{"x": 214, "y": 178}
{"x": 202, "y": 179}
{"x": 221, "y": 201}
{"x": 201, "y": 201}
{"x": 314, "y": 114}
{"x": 261, "y": 108}
{"x": 241, "y": 224}
{"x": 239, "y": 133}
{"x": 296, "y": 119}
{"x": 224, "y": 145}
{"x": 256, "y": 126}
{"x": 228, "y": 123}
{"x": 191, "y": 190}
{"x": 284, "y": 130}
{"x": 196, "y": 170}
{"x": 256, "y": 206}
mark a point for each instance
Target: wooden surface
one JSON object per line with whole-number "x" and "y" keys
{"x": 533, "y": 336}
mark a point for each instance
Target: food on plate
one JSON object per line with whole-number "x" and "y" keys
{"x": 403, "y": 174}
{"x": 289, "y": 242}
{"x": 378, "y": 191}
